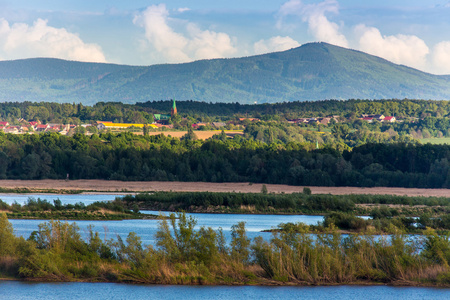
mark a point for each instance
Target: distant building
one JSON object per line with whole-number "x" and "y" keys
{"x": 173, "y": 111}
{"x": 389, "y": 119}
{"x": 218, "y": 124}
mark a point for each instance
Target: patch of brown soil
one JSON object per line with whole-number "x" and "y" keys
{"x": 239, "y": 187}
{"x": 203, "y": 135}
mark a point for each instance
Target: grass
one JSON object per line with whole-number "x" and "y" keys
{"x": 436, "y": 141}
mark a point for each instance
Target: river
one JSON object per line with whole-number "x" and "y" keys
{"x": 26, "y": 290}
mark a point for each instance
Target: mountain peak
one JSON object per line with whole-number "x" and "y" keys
{"x": 313, "y": 71}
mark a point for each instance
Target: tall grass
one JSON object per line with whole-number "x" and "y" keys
{"x": 185, "y": 254}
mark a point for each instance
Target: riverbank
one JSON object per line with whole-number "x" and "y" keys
{"x": 114, "y": 186}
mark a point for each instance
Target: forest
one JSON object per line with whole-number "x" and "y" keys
{"x": 127, "y": 156}
{"x": 345, "y": 152}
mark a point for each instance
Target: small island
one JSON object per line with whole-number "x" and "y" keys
{"x": 45, "y": 210}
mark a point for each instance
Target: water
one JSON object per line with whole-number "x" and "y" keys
{"x": 146, "y": 229}
{"x": 65, "y": 199}
{"x": 69, "y": 291}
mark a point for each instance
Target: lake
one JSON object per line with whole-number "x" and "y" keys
{"x": 146, "y": 229}
{"x": 26, "y": 290}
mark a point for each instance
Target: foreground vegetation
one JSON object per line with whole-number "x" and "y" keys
{"x": 186, "y": 255}
{"x": 43, "y": 209}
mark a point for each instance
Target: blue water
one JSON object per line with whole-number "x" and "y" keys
{"x": 65, "y": 199}
{"x": 146, "y": 229}
{"x": 69, "y": 291}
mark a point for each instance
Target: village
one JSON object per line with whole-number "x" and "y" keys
{"x": 162, "y": 123}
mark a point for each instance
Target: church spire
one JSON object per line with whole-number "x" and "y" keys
{"x": 174, "y": 108}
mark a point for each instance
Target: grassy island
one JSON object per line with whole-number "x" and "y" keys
{"x": 184, "y": 254}
{"x": 43, "y": 209}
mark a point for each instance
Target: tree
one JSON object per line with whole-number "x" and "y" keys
{"x": 264, "y": 189}
{"x": 190, "y": 135}
{"x": 145, "y": 130}
{"x": 7, "y": 238}
{"x": 240, "y": 243}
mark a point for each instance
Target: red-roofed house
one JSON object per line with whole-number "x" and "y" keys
{"x": 389, "y": 119}
{"x": 41, "y": 127}
{"x": 4, "y": 123}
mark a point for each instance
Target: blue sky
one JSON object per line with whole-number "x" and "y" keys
{"x": 414, "y": 33}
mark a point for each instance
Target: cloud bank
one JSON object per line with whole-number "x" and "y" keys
{"x": 21, "y": 40}
{"x": 188, "y": 44}
{"x": 276, "y": 43}
{"x": 403, "y": 49}
{"x": 314, "y": 15}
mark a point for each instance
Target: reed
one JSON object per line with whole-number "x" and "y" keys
{"x": 187, "y": 255}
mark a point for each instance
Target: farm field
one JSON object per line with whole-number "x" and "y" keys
{"x": 203, "y": 135}
{"x": 241, "y": 187}
{"x": 436, "y": 141}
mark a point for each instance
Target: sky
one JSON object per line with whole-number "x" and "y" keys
{"x": 137, "y": 32}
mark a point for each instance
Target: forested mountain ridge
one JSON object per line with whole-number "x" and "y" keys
{"x": 314, "y": 71}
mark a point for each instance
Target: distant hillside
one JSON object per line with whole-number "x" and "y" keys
{"x": 311, "y": 72}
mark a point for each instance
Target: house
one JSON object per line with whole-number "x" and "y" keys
{"x": 11, "y": 129}
{"x": 4, "y": 123}
{"x": 218, "y": 124}
{"x": 389, "y": 119}
{"x": 41, "y": 127}
{"x": 162, "y": 118}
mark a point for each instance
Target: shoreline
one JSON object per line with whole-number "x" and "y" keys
{"x": 270, "y": 283}
{"x": 94, "y": 186}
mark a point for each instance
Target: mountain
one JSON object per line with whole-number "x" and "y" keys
{"x": 314, "y": 71}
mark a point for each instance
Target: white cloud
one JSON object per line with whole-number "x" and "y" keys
{"x": 314, "y": 14}
{"x": 402, "y": 49}
{"x": 276, "y": 43}
{"x": 178, "y": 47}
{"x": 183, "y": 9}
{"x": 441, "y": 57}
{"x": 21, "y": 40}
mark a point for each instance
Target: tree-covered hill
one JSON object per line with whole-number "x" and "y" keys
{"x": 311, "y": 72}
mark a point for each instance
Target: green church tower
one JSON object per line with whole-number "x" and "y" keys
{"x": 173, "y": 111}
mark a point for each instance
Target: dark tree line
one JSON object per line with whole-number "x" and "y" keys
{"x": 129, "y": 157}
